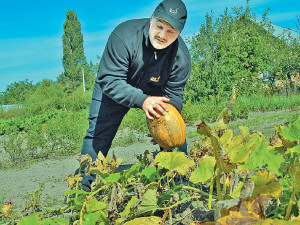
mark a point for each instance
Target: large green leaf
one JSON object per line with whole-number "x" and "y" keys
{"x": 149, "y": 172}
{"x": 174, "y": 161}
{"x": 264, "y": 155}
{"x": 204, "y": 170}
{"x": 292, "y": 132}
{"x": 148, "y": 201}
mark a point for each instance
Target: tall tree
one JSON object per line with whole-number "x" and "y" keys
{"x": 73, "y": 52}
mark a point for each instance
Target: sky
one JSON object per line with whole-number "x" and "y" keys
{"x": 31, "y": 31}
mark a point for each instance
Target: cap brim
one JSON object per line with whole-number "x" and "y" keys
{"x": 174, "y": 23}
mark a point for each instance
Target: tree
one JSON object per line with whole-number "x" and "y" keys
{"x": 232, "y": 50}
{"x": 17, "y": 92}
{"x": 73, "y": 52}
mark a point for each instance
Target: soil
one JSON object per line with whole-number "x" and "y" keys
{"x": 18, "y": 185}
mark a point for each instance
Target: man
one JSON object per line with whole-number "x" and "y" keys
{"x": 145, "y": 64}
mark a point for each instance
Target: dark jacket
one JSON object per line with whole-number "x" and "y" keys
{"x": 131, "y": 69}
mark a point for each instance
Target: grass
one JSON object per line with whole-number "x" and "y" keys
{"x": 266, "y": 103}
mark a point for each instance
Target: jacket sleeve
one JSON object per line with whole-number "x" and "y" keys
{"x": 112, "y": 75}
{"x": 179, "y": 75}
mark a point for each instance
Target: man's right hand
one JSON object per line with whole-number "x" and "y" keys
{"x": 155, "y": 106}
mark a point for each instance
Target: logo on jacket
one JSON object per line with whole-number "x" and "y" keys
{"x": 155, "y": 79}
{"x": 174, "y": 11}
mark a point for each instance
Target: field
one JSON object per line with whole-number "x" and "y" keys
{"x": 41, "y": 185}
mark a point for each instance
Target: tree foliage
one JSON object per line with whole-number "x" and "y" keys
{"x": 17, "y": 92}
{"x": 73, "y": 52}
{"x": 233, "y": 50}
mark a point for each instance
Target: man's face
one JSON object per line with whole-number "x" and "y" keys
{"x": 161, "y": 33}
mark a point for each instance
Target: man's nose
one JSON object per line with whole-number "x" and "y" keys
{"x": 162, "y": 34}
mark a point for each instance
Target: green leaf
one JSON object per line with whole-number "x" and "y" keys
{"x": 132, "y": 201}
{"x": 264, "y": 155}
{"x": 226, "y": 138}
{"x": 71, "y": 192}
{"x": 295, "y": 149}
{"x": 292, "y": 132}
{"x": 241, "y": 145}
{"x": 61, "y": 221}
{"x": 174, "y": 161}
{"x": 148, "y": 199}
{"x": 34, "y": 219}
{"x": 204, "y": 170}
{"x": 132, "y": 171}
{"x": 95, "y": 205}
{"x": 114, "y": 177}
{"x": 90, "y": 218}
{"x": 150, "y": 172}
{"x": 48, "y": 222}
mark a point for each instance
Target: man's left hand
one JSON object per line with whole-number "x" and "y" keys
{"x": 155, "y": 106}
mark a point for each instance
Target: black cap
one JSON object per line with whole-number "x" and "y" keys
{"x": 172, "y": 11}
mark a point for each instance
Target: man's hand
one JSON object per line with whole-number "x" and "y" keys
{"x": 155, "y": 106}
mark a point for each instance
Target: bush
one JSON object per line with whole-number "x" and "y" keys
{"x": 47, "y": 97}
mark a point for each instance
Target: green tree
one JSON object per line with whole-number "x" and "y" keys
{"x": 232, "y": 50}
{"x": 17, "y": 92}
{"x": 73, "y": 52}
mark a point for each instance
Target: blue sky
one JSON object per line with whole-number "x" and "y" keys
{"x": 31, "y": 31}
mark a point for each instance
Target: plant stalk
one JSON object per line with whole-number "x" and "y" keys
{"x": 289, "y": 209}
{"x": 211, "y": 188}
{"x": 218, "y": 184}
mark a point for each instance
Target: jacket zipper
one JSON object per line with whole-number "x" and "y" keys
{"x": 146, "y": 67}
